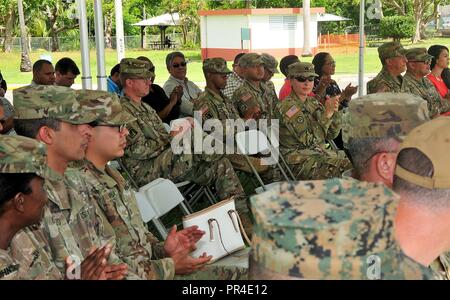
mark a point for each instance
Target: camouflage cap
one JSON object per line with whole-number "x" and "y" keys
{"x": 19, "y": 154}
{"x": 433, "y": 140}
{"x": 49, "y": 101}
{"x": 301, "y": 69}
{"x": 135, "y": 68}
{"x": 270, "y": 62}
{"x": 250, "y": 60}
{"x": 390, "y": 49}
{"x": 106, "y": 106}
{"x": 328, "y": 229}
{"x": 383, "y": 115}
{"x": 216, "y": 65}
{"x": 418, "y": 54}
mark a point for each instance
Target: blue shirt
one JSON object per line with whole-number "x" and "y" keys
{"x": 112, "y": 86}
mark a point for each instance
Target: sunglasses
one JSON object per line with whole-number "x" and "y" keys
{"x": 303, "y": 78}
{"x": 120, "y": 128}
{"x": 182, "y": 64}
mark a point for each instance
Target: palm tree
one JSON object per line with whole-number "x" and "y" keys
{"x": 25, "y": 63}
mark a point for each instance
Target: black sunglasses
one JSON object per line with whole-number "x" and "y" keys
{"x": 303, "y": 78}
{"x": 182, "y": 64}
{"x": 120, "y": 127}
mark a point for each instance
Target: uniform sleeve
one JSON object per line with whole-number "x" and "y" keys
{"x": 9, "y": 270}
{"x": 295, "y": 121}
{"x": 244, "y": 100}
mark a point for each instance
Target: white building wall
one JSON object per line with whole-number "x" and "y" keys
{"x": 224, "y": 31}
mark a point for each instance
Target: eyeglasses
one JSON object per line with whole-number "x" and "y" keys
{"x": 303, "y": 78}
{"x": 120, "y": 128}
{"x": 182, "y": 64}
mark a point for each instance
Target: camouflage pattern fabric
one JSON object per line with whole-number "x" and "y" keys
{"x": 48, "y": 101}
{"x": 216, "y": 65}
{"x": 270, "y": 63}
{"x": 441, "y": 266}
{"x": 332, "y": 229}
{"x": 383, "y": 115}
{"x": 248, "y": 96}
{"x": 425, "y": 89}
{"x": 149, "y": 156}
{"x": 303, "y": 131}
{"x": 384, "y": 82}
{"x": 136, "y": 246}
{"x": 136, "y": 68}
{"x": 390, "y": 49}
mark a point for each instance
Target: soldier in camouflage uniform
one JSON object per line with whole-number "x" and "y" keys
{"x": 305, "y": 124}
{"x": 73, "y": 224}
{"x": 416, "y": 83}
{"x": 23, "y": 167}
{"x": 392, "y": 57}
{"x": 254, "y": 100}
{"x": 149, "y": 155}
{"x": 270, "y": 68}
{"x": 372, "y": 131}
{"x": 150, "y": 258}
{"x": 332, "y": 229}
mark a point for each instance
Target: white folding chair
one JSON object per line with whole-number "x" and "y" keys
{"x": 161, "y": 195}
{"x": 252, "y": 142}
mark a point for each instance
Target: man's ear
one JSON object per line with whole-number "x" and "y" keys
{"x": 18, "y": 202}
{"x": 46, "y": 135}
{"x": 386, "y": 166}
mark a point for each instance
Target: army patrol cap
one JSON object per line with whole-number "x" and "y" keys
{"x": 301, "y": 69}
{"x": 136, "y": 68}
{"x": 383, "y": 115}
{"x": 270, "y": 62}
{"x": 433, "y": 140}
{"x": 418, "y": 54}
{"x": 216, "y": 65}
{"x": 49, "y": 101}
{"x": 250, "y": 60}
{"x": 106, "y": 107}
{"x": 326, "y": 229}
{"x": 19, "y": 154}
{"x": 390, "y": 49}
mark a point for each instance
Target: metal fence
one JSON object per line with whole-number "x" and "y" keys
{"x": 73, "y": 43}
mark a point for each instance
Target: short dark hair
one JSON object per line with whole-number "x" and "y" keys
{"x": 237, "y": 57}
{"x": 318, "y": 62}
{"x": 171, "y": 56}
{"x": 30, "y": 127}
{"x": 37, "y": 66}
{"x": 65, "y": 65}
{"x": 286, "y": 61}
{"x": 435, "y": 51}
{"x": 13, "y": 183}
{"x": 115, "y": 69}
{"x": 417, "y": 162}
{"x": 360, "y": 150}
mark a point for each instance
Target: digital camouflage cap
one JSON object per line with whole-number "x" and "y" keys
{"x": 418, "y": 54}
{"x": 383, "y": 115}
{"x": 106, "y": 107}
{"x": 250, "y": 60}
{"x": 216, "y": 65}
{"x": 135, "y": 68}
{"x": 19, "y": 154}
{"x": 49, "y": 101}
{"x": 301, "y": 69}
{"x": 329, "y": 229}
{"x": 390, "y": 49}
{"x": 433, "y": 140}
{"x": 270, "y": 62}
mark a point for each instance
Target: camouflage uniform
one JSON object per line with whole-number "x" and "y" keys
{"x": 149, "y": 156}
{"x": 271, "y": 64}
{"x": 139, "y": 248}
{"x": 33, "y": 259}
{"x": 424, "y": 87}
{"x": 384, "y": 82}
{"x": 303, "y": 131}
{"x": 248, "y": 96}
{"x": 72, "y": 222}
{"x": 332, "y": 229}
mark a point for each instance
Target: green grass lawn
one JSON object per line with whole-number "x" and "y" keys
{"x": 347, "y": 63}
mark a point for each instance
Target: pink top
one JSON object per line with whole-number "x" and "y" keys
{"x": 439, "y": 84}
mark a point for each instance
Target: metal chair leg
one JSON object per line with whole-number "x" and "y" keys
{"x": 160, "y": 227}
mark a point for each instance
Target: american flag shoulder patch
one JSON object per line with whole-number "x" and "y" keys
{"x": 292, "y": 111}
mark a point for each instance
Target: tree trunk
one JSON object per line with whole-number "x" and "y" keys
{"x": 9, "y": 27}
{"x": 416, "y": 37}
{"x": 55, "y": 41}
{"x": 108, "y": 31}
{"x": 25, "y": 63}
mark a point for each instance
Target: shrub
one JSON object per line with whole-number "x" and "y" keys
{"x": 397, "y": 27}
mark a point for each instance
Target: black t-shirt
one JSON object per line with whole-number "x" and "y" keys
{"x": 158, "y": 100}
